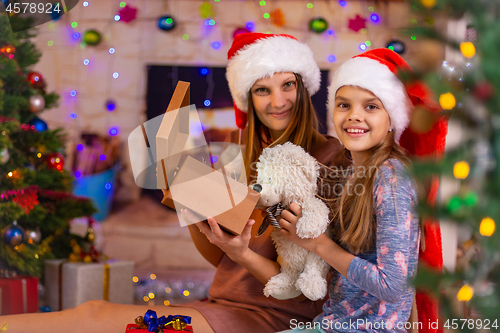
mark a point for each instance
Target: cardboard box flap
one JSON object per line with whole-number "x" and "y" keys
{"x": 211, "y": 193}
{"x": 172, "y": 134}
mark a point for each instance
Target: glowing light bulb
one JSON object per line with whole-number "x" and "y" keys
{"x": 428, "y": 3}
{"x": 447, "y": 101}
{"x": 135, "y": 279}
{"x": 461, "y": 170}
{"x": 487, "y": 227}
{"x": 465, "y": 293}
{"x": 468, "y": 49}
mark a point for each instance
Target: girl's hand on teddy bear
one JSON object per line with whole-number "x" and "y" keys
{"x": 288, "y": 224}
{"x": 234, "y": 246}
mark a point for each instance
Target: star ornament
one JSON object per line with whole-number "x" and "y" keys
{"x": 127, "y": 14}
{"x": 357, "y": 23}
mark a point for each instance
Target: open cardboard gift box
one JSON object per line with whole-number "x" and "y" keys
{"x": 191, "y": 180}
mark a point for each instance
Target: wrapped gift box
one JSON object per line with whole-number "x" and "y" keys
{"x": 18, "y": 295}
{"x": 69, "y": 284}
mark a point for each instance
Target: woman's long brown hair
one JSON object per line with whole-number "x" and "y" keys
{"x": 355, "y": 212}
{"x": 300, "y": 131}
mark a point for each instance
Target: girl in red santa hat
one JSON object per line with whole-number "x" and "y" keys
{"x": 271, "y": 78}
{"x": 375, "y": 238}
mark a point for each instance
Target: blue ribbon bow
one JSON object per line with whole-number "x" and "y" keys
{"x": 185, "y": 319}
{"x": 153, "y": 322}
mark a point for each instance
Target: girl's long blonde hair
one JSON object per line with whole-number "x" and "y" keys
{"x": 355, "y": 228}
{"x": 301, "y": 130}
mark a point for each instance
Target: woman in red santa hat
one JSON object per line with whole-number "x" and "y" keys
{"x": 271, "y": 78}
{"x": 376, "y": 234}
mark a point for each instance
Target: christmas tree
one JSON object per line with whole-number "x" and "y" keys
{"x": 36, "y": 203}
{"x": 468, "y": 92}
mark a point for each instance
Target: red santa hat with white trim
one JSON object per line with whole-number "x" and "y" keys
{"x": 254, "y": 56}
{"x": 378, "y": 71}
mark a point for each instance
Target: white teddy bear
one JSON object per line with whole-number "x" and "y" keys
{"x": 286, "y": 174}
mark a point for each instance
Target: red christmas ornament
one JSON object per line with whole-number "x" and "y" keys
{"x": 36, "y": 79}
{"x": 55, "y": 161}
{"x": 127, "y": 14}
{"x": 483, "y": 91}
{"x": 238, "y": 31}
{"x": 357, "y": 23}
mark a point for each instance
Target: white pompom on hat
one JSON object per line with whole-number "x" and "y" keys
{"x": 254, "y": 56}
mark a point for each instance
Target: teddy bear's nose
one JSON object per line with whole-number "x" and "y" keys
{"x": 257, "y": 187}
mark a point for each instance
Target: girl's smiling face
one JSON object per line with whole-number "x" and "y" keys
{"x": 360, "y": 119}
{"x": 273, "y": 101}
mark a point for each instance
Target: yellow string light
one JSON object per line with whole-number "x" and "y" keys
{"x": 168, "y": 290}
{"x": 428, "y": 3}
{"x": 487, "y": 227}
{"x": 151, "y": 295}
{"x": 465, "y": 293}
{"x": 461, "y": 170}
{"x": 447, "y": 101}
{"x": 152, "y": 276}
{"x": 10, "y": 174}
{"x": 135, "y": 279}
{"x": 468, "y": 49}
{"x": 167, "y": 303}
{"x": 145, "y": 298}
{"x": 185, "y": 293}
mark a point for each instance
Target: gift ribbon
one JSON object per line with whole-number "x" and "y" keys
{"x": 152, "y": 323}
{"x": 25, "y": 296}
{"x": 178, "y": 322}
{"x": 106, "y": 282}
{"x": 270, "y": 219}
{"x": 4, "y": 327}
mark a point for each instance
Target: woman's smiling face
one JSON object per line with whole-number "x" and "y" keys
{"x": 360, "y": 119}
{"x": 273, "y": 101}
